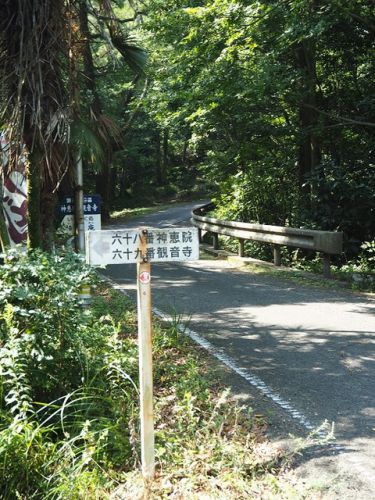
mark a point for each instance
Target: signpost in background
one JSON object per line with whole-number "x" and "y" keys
{"x": 91, "y": 210}
{"x": 143, "y": 246}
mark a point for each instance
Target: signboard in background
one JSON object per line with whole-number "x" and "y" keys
{"x": 14, "y": 194}
{"x": 91, "y": 210}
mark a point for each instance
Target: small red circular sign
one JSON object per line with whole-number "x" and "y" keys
{"x": 145, "y": 277}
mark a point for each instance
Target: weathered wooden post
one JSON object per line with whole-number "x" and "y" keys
{"x": 145, "y": 369}
{"x": 215, "y": 241}
{"x": 326, "y": 265}
{"x": 241, "y": 247}
{"x": 277, "y": 255}
{"x": 145, "y": 359}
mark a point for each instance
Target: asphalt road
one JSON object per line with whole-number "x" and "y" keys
{"x": 306, "y": 354}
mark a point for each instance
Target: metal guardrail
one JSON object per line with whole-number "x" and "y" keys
{"x": 326, "y": 242}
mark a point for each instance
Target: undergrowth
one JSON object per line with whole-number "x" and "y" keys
{"x": 69, "y": 419}
{"x": 66, "y": 395}
{"x": 357, "y": 274}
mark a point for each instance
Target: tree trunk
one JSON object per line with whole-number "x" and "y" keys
{"x": 114, "y": 182}
{"x": 33, "y": 49}
{"x": 309, "y": 150}
{"x": 184, "y": 153}
{"x": 33, "y": 175}
{"x": 122, "y": 182}
{"x": 48, "y": 202}
{"x": 103, "y": 179}
{"x": 159, "y": 174}
{"x": 88, "y": 63}
{"x": 162, "y": 145}
{"x": 164, "y": 158}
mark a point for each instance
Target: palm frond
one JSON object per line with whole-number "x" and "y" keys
{"x": 87, "y": 141}
{"x": 120, "y": 38}
{"x": 32, "y": 90}
{"x": 135, "y": 57}
{"x": 108, "y": 130}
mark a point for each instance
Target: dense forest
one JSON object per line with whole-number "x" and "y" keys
{"x": 274, "y": 102}
{"x": 266, "y": 106}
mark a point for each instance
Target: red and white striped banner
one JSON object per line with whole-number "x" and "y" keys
{"x": 14, "y": 195}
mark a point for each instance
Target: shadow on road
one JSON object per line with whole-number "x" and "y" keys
{"x": 315, "y": 347}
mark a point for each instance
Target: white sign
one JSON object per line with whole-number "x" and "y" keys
{"x": 142, "y": 245}
{"x": 92, "y": 223}
{"x": 14, "y": 195}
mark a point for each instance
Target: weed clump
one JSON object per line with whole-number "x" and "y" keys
{"x": 66, "y": 389}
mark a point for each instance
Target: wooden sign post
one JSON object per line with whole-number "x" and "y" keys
{"x": 145, "y": 368}
{"x": 145, "y": 361}
{"x": 143, "y": 246}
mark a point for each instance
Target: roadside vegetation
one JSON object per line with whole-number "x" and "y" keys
{"x": 306, "y": 267}
{"x": 69, "y": 425}
{"x": 129, "y": 213}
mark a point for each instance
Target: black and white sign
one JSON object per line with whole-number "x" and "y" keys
{"x": 91, "y": 205}
{"x": 142, "y": 245}
{"x": 91, "y": 210}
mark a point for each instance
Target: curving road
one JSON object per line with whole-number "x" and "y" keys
{"x": 303, "y": 355}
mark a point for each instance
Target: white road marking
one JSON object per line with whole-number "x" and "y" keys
{"x": 246, "y": 374}
{"x": 252, "y": 379}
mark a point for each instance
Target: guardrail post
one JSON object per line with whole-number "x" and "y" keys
{"x": 215, "y": 241}
{"x": 326, "y": 265}
{"x": 200, "y": 235}
{"x": 277, "y": 255}
{"x": 241, "y": 247}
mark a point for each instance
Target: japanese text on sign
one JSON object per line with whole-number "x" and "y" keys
{"x": 143, "y": 245}
{"x": 92, "y": 223}
{"x": 91, "y": 205}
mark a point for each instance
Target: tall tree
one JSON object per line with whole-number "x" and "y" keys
{"x": 275, "y": 100}
{"x": 111, "y": 29}
{"x": 33, "y": 105}
{"x": 44, "y": 46}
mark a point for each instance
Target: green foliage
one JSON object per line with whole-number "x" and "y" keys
{"x": 274, "y": 100}
{"x": 361, "y": 271}
{"x": 342, "y": 199}
{"x": 66, "y": 395}
{"x": 367, "y": 257}
{"x": 254, "y": 196}
{"x": 43, "y": 329}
